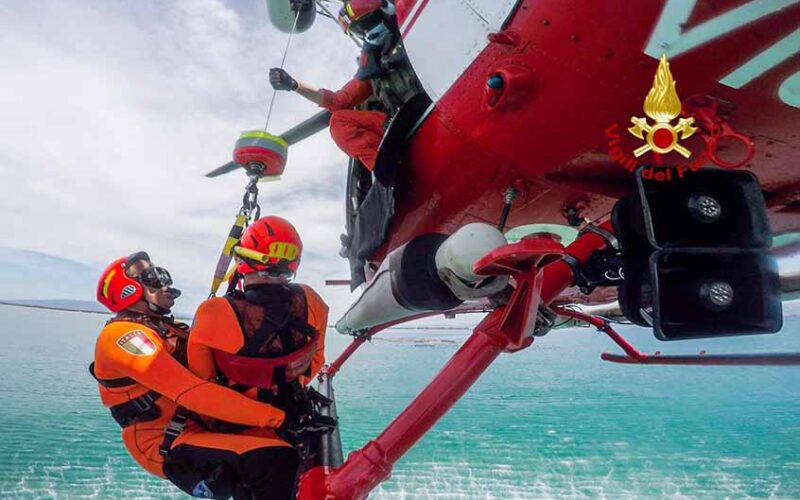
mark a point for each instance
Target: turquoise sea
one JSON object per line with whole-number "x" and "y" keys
{"x": 552, "y": 421}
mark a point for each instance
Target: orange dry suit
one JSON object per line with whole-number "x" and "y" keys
{"x": 140, "y": 367}
{"x": 266, "y": 341}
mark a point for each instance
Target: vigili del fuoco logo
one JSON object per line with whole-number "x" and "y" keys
{"x": 660, "y": 136}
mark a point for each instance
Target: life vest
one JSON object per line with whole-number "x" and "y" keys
{"x": 279, "y": 344}
{"x": 143, "y": 408}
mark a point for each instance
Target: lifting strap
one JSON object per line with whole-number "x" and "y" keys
{"x": 224, "y": 262}
{"x": 250, "y": 210}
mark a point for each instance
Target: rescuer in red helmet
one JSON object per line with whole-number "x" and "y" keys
{"x": 266, "y": 340}
{"x": 384, "y": 73}
{"x": 140, "y": 366}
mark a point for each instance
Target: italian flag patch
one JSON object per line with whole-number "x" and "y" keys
{"x": 137, "y": 343}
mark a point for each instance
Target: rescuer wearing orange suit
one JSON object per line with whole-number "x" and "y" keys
{"x": 140, "y": 366}
{"x": 268, "y": 339}
{"x": 384, "y": 72}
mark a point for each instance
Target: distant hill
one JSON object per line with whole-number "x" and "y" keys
{"x": 70, "y": 305}
{"x": 25, "y": 274}
{"x": 48, "y": 280}
{"x": 84, "y": 306}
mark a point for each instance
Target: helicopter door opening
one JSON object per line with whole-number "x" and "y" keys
{"x": 370, "y": 196}
{"x": 399, "y": 131}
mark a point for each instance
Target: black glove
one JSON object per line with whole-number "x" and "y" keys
{"x": 297, "y": 425}
{"x": 281, "y": 80}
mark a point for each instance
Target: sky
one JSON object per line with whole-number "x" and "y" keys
{"x": 112, "y": 112}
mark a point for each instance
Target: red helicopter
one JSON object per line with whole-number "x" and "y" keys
{"x": 562, "y": 121}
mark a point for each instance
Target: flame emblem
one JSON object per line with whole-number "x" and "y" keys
{"x": 662, "y": 105}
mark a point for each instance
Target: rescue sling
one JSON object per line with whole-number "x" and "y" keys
{"x": 283, "y": 318}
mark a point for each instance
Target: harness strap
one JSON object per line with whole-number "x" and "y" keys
{"x": 141, "y": 409}
{"x": 174, "y": 428}
{"x": 111, "y": 383}
{"x": 264, "y": 335}
{"x": 249, "y": 368}
{"x": 304, "y": 327}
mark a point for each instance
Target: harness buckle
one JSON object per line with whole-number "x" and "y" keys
{"x": 173, "y": 429}
{"x": 143, "y": 403}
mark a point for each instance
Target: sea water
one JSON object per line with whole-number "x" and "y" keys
{"x": 553, "y": 421}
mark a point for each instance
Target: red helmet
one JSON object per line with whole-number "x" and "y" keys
{"x": 116, "y": 290}
{"x": 269, "y": 244}
{"x": 355, "y": 11}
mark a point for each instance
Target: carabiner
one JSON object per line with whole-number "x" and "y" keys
{"x": 713, "y": 128}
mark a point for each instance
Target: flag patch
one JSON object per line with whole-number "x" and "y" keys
{"x": 137, "y": 343}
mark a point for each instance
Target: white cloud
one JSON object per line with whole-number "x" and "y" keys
{"x": 113, "y": 111}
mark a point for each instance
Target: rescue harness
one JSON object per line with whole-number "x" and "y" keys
{"x": 143, "y": 408}
{"x": 255, "y": 365}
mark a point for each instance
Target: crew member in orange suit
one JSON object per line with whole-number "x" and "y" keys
{"x": 140, "y": 366}
{"x": 268, "y": 339}
{"x": 384, "y": 72}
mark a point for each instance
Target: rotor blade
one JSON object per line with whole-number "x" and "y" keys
{"x": 718, "y": 360}
{"x": 307, "y": 128}
{"x": 228, "y": 167}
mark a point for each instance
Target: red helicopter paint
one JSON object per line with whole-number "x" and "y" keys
{"x": 570, "y": 70}
{"x": 563, "y": 72}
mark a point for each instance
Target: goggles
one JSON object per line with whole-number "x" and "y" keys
{"x": 155, "y": 277}
{"x": 358, "y": 26}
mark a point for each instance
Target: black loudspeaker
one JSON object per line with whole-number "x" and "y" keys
{"x": 714, "y": 292}
{"x": 696, "y": 256}
{"x": 707, "y": 209}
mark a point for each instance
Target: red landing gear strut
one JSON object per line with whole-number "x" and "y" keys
{"x": 539, "y": 276}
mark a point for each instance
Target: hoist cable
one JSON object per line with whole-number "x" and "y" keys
{"x": 283, "y": 61}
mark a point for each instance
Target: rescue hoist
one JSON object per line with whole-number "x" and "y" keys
{"x": 263, "y": 156}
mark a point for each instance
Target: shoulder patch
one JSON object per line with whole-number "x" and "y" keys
{"x": 137, "y": 343}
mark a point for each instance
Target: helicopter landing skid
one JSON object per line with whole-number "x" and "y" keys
{"x": 633, "y": 356}
{"x": 507, "y": 328}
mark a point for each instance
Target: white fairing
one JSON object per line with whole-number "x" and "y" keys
{"x": 443, "y": 37}
{"x": 375, "y": 306}
{"x": 453, "y": 259}
{"x": 461, "y": 250}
